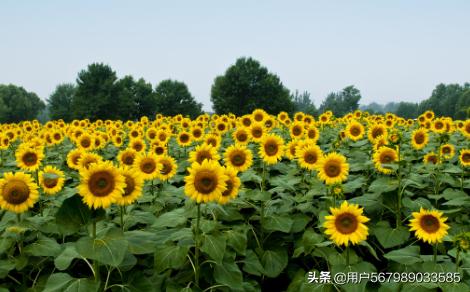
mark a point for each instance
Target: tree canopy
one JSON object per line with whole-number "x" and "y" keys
{"x": 60, "y": 102}
{"x": 303, "y": 103}
{"x": 247, "y": 85}
{"x": 17, "y": 104}
{"x": 173, "y": 97}
{"x": 343, "y": 102}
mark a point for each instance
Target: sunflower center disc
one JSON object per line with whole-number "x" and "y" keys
{"x": 242, "y": 137}
{"x": 430, "y": 224}
{"x": 310, "y": 158}
{"x": 205, "y": 182}
{"x": 229, "y": 188}
{"x": 271, "y": 149}
{"x": 15, "y": 192}
{"x": 130, "y": 186}
{"x": 346, "y": 223}
{"x": 419, "y": 138}
{"x": 238, "y": 159}
{"x": 332, "y": 170}
{"x": 30, "y": 159}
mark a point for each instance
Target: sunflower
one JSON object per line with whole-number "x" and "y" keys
{"x": 85, "y": 142}
{"x": 202, "y": 152}
{"x": 271, "y": 148}
{"x": 126, "y": 157}
{"x": 205, "y": 182}
{"x": 51, "y": 179}
{"x": 238, "y": 157}
{"x": 73, "y": 157}
{"x": 355, "y": 130}
{"x": 291, "y": 149}
{"x": 296, "y": 130}
{"x": 213, "y": 139}
{"x": 376, "y": 131}
{"x": 133, "y": 189}
{"x": 259, "y": 115}
{"x": 233, "y": 185}
{"x": 431, "y": 157}
{"x": 163, "y": 136}
{"x": 137, "y": 144}
{"x": 309, "y": 156}
{"x": 257, "y": 131}
{"x": 465, "y": 130}
{"x": 197, "y": 133}
{"x": 168, "y": 167}
{"x": 87, "y": 159}
{"x": 241, "y": 136}
{"x": 464, "y": 157}
{"x": 333, "y": 168}
{"x": 18, "y": 192}
{"x": 184, "y": 139}
{"x": 429, "y": 115}
{"x": 419, "y": 138}
{"x": 28, "y": 158}
{"x": 438, "y": 126}
{"x": 385, "y": 155}
{"x": 147, "y": 165}
{"x": 429, "y": 225}
{"x": 159, "y": 149}
{"x": 101, "y": 185}
{"x": 447, "y": 151}
{"x": 312, "y": 133}
{"x": 346, "y": 225}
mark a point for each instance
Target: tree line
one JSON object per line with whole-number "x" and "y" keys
{"x": 246, "y": 85}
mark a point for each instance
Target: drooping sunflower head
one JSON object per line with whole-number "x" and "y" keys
{"x": 429, "y": 225}
{"x": 355, "y": 130}
{"x": 202, "y": 152}
{"x": 447, "y": 151}
{"x": 18, "y": 192}
{"x": 168, "y": 167}
{"x": 419, "y": 138}
{"x": 73, "y": 157}
{"x": 87, "y": 159}
{"x": 28, "y": 158}
{"x": 51, "y": 179}
{"x": 345, "y": 225}
{"x": 205, "y": 182}
{"x": 232, "y": 186}
{"x": 101, "y": 185}
{"x": 431, "y": 158}
{"x": 383, "y": 158}
{"x": 133, "y": 189}
{"x": 126, "y": 157}
{"x": 333, "y": 168}
{"x": 271, "y": 148}
{"x": 238, "y": 157}
{"x": 308, "y": 157}
{"x": 147, "y": 165}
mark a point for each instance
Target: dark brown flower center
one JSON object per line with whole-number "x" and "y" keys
{"x": 238, "y": 158}
{"x": 130, "y": 186}
{"x": 101, "y": 183}
{"x": 429, "y": 223}
{"x": 30, "y": 158}
{"x": 332, "y": 169}
{"x": 229, "y": 189}
{"x": 310, "y": 157}
{"x": 419, "y": 138}
{"x": 148, "y": 166}
{"x": 271, "y": 148}
{"x": 15, "y": 192}
{"x": 205, "y": 182}
{"x": 346, "y": 223}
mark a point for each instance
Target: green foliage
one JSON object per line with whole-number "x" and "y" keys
{"x": 60, "y": 102}
{"x": 137, "y": 97}
{"x": 343, "y": 102}
{"x": 303, "y": 103}
{"x": 246, "y": 86}
{"x": 451, "y": 100}
{"x": 17, "y": 104}
{"x": 173, "y": 97}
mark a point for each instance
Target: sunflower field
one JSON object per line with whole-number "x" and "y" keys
{"x": 225, "y": 203}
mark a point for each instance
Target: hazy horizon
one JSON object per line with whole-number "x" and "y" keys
{"x": 390, "y": 51}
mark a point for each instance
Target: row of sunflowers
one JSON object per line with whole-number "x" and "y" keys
{"x": 226, "y": 203}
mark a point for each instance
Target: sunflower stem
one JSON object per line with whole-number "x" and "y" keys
{"x": 122, "y": 217}
{"x": 196, "y": 252}
{"x": 347, "y": 256}
{"x": 434, "y": 258}
{"x": 398, "y": 215}
{"x": 457, "y": 260}
{"x": 95, "y": 262}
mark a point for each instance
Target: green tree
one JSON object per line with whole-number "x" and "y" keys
{"x": 407, "y": 110}
{"x": 17, "y": 104}
{"x": 446, "y": 100}
{"x": 343, "y": 102}
{"x": 303, "y": 103}
{"x": 97, "y": 94}
{"x": 463, "y": 105}
{"x": 173, "y": 97}
{"x": 60, "y": 102}
{"x": 247, "y": 85}
{"x": 136, "y": 98}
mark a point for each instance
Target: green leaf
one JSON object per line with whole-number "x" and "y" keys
{"x": 390, "y": 237}
{"x": 43, "y": 247}
{"x": 172, "y": 256}
{"x": 5, "y": 267}
{"x": 109, "y": 249}
{"x": 274, "y": 262}
{"x": 65, "y": 258}
{"x": 252, "y": 265}
{"x": 214, "y": 246}
{"x": 72, "y": 215}
{"x": 62, "y": 282}
{"x": 228, "y": 274}
{"x": 405, "y": 256}
{"x": 299, "y": 222}
{"x": 237, "y": 239}
{"x": 278, "y": 223}
{"x": 141, "y": 242}
{"x": 353, "y": 185}
{"x": 310, "y": 239}
{"x": 171, "y": 219}
{"x": 383, "y": 185}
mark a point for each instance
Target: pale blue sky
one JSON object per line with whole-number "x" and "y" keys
{"x": 391, "y": 50}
